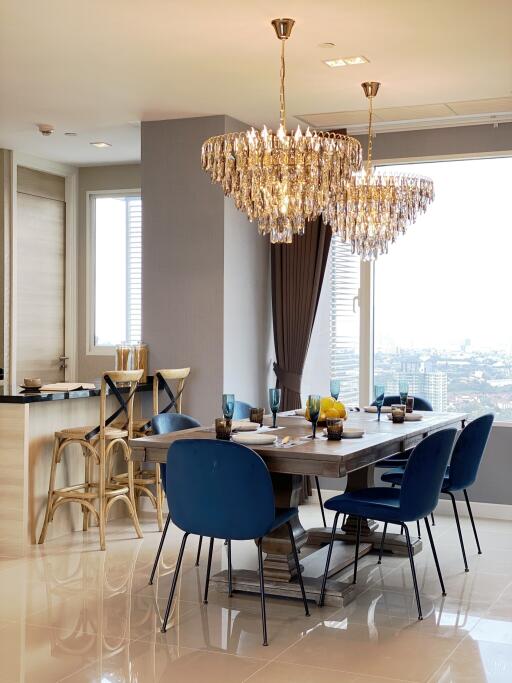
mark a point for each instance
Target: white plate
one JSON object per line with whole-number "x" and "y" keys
{"x": 373, "y": 409}
{"x": 410, "y": 417}
{"x": 254, "y": 439}
{"x": 300, "y": 412}
{"x": 244, "y": 426}
{"x": 349, "y": 433}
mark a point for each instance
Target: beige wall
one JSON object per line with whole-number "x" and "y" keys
{"x": 5, "y": 217}
{"x": 95, "y": 178}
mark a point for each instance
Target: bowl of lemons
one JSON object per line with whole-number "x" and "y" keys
{"x": 329, "y": 408}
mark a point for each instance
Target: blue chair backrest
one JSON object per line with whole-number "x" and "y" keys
{"x": 468, "y": 452}
{"x": 424, "y": 474}
{"x": 419, "y": 403}
{"x": 219, "y": 489}
{"x": 242, "y": 410}
{"x": 172, "y": 422}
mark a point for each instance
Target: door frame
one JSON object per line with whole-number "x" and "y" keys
{"x": 70, "y": 175}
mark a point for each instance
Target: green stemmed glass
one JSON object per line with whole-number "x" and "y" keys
{"x": 335, "y": 388}
{"x": 378, "y": 392}
{"x": 314, "y": 410}
{"x": 403, "y": 390}
{"x": 274, "y": 399}
{"x": 228, "y": 406}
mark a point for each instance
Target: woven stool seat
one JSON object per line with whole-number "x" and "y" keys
{"x": 81, "y": 432}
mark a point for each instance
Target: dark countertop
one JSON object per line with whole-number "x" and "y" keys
{"x": 40, "y": 396}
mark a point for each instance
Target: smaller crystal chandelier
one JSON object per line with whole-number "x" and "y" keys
{"x": 375, "y": 207}
{"x": 281, "y": 179}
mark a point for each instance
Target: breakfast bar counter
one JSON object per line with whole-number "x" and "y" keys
{"x": 28, "y": 422}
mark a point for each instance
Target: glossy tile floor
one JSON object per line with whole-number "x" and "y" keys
{"x": 72, "y": 613}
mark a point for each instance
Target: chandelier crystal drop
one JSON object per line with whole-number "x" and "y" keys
{"x": 282, "y": 179}
{"x": 376, "y": 207}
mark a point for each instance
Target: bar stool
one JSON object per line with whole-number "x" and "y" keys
{"x": 148, "y": 482}
{"x": 98, "y": 444}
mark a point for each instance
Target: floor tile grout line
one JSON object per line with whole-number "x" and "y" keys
{"x": 448, "y": 657}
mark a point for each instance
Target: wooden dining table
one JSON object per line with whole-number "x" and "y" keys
{"x": 353, "y": 458}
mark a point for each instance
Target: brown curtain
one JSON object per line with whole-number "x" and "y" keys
{"x": 297, "y": 271}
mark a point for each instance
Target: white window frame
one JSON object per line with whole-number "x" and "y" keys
{"x": 366, "y": 291}
{"x": 91, "y": 348}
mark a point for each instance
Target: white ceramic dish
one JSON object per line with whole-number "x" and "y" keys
{"x": 254, "y": 439}
{"x": 300, "y": 412}
{"x": 243, "y": 426}
{"x": 349, "y": 433}
{"x": 373, "y": 409}
{"x": 410, "y": 417}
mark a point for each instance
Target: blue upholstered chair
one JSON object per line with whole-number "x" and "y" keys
{"x": 462, "y": 472}
{"x": 164, "y": 423}
{"x": 223, "y": 490}
{"x": 415, "y": 500}
{"x": 242, "y": 411}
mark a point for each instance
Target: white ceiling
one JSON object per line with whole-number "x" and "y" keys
{"x": 97, "y": 66}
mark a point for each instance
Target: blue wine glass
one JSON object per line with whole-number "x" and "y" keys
{"x": 378, "y": 392}
{"x": 274, "y": 399}
{"x": 403, "y": 390}
{"x": 314, "y": 410}
{"x": 228, "y": 406}
{"x": 335, "y": 388}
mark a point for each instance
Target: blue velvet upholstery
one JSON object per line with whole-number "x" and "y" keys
{"x": 468, "y": 453}
{"x": 465, "y": 461}
{"x": 421, "y": 485}
{"x": 164, "y": 423}
{"x": 220, "y": 489}
{"x": 242, "y": 410}
{"x": 419, "y": 403}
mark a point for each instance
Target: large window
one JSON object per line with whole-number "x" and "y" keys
{"x": 442, "y": 293}
{"x": 440, "y": 301}
{"x": 116, "y": 242}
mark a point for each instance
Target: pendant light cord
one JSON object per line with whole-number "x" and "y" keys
{"x": 370, "y": 136}
{"x": 282, "y": 106}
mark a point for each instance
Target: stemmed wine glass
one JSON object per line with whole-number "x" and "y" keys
{"x": 228, "y": 406}
{"x": 403, "y": 390}
{"x": 274, "y": 399}
{"x": 379, "y": 390}
{"x": 335, "y": 388}
{"x": 314, "y": 410}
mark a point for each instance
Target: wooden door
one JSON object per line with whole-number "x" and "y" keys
{"x": 41, "y": 267}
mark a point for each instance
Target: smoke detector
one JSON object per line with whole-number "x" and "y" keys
{"x": 45, "y": 129}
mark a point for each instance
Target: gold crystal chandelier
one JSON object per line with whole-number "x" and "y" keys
{"x": 375, "y": 207}
{"x": 281, "y": 179}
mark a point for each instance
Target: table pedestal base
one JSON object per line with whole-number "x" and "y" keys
{"x": 395, "y": 543}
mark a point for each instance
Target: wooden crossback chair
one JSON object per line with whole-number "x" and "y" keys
{"x": 148, "y": 482}
{"x": 98, "y": 445}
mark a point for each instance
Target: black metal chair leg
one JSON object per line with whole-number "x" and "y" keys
{"x": 457, "y": 521}
{"x": 413, "y": 571}
{"x": 297, "y": 566}
{"x": 382, "y": 539}
{"x": 432, "y": 518}
{"x": 320, "y": 500}
{"x": 230, "y": 572}
{"x": 434, "y": 553}
{"x": 472, "y": 522}
{"x": 419, "y": 528}
{"x": 358, "y": 541}
{"x": 174, "y": 582}
{"x": 262, "y": 594}
{"x": 159, "y": 551}
{"x": 208, "y": 569}
{"x": 328, "y": 562}
{"x": 199, "y": 546}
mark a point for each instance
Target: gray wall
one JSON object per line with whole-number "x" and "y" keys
{"x": 90, "y": 179}
{"x": 204, "y": 270}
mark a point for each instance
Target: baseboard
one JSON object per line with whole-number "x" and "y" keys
{"x": 444, "y": 507}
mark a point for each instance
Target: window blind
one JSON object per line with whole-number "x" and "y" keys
{"x": 134, "y": 269}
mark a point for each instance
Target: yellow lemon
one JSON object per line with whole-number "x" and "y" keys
{"x": 332, "y": 412}
{"x": 327, "y": 403}
{"x": 340, "y": 409}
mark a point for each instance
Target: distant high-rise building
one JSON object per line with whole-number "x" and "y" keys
{"x": 436, "y": 390}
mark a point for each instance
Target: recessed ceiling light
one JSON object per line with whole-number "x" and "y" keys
{"x": 71, "y": 135}
{"x": 101, "y": 145}
{"x": 346, "y": 61}
{"x": 326, "y": 44}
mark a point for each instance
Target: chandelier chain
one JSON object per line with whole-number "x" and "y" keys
{"x": 370, "y": 136}
{"x": 282, "y": 74}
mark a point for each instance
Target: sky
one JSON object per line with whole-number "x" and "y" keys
{"x": 448, "y": 278}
